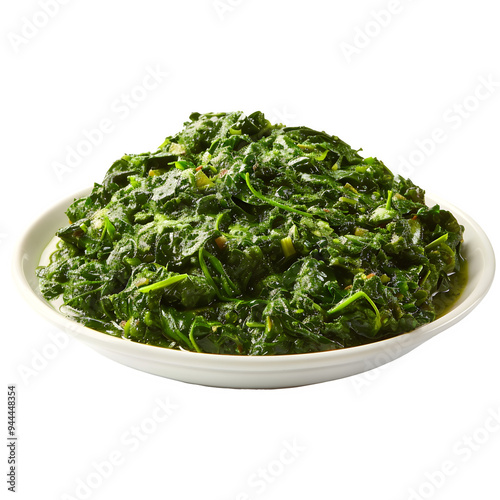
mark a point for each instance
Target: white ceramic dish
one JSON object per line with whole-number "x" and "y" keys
{"x": 250, "y": 372}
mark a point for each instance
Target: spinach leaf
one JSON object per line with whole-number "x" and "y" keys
{"x": 237, "y": 236}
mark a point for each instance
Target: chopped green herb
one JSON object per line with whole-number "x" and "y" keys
{"x": 241, "y": 237}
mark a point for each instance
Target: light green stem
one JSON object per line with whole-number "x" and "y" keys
{"x": 162, "y": 284}
{"x": 351, "y": 299}
{"x": 273, "y": 202}
{"x": 389, "y": 199}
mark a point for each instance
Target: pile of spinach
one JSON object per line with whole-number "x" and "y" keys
{"x": 241, "y": 237}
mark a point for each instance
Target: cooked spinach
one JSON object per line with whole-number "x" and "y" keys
{"x": 241, "y": 237}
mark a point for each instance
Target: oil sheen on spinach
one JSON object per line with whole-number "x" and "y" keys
{"x": 241, "y": 237}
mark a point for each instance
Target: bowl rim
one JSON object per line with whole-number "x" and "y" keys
{"x": 28, "y": 287}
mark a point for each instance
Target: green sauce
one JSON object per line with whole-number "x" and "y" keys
{"x": 445, "y": 300}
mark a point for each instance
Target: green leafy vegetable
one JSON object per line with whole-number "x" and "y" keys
{"x": 241, "y": 237}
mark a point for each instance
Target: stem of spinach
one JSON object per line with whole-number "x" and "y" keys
{"x": 351, "y": 299}
{"x": 389, "y": 199}
{"x": 162, "y": 284}
{"x": 84, "y": 293}
{"x": 229, "y": 287}
{"x": 191, "y": 336}
{"x": 273, "y": 202}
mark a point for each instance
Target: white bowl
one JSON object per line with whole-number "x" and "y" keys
{"x": 250, "y": 371}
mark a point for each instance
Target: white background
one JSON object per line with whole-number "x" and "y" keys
{"x": 416, "y": 428}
